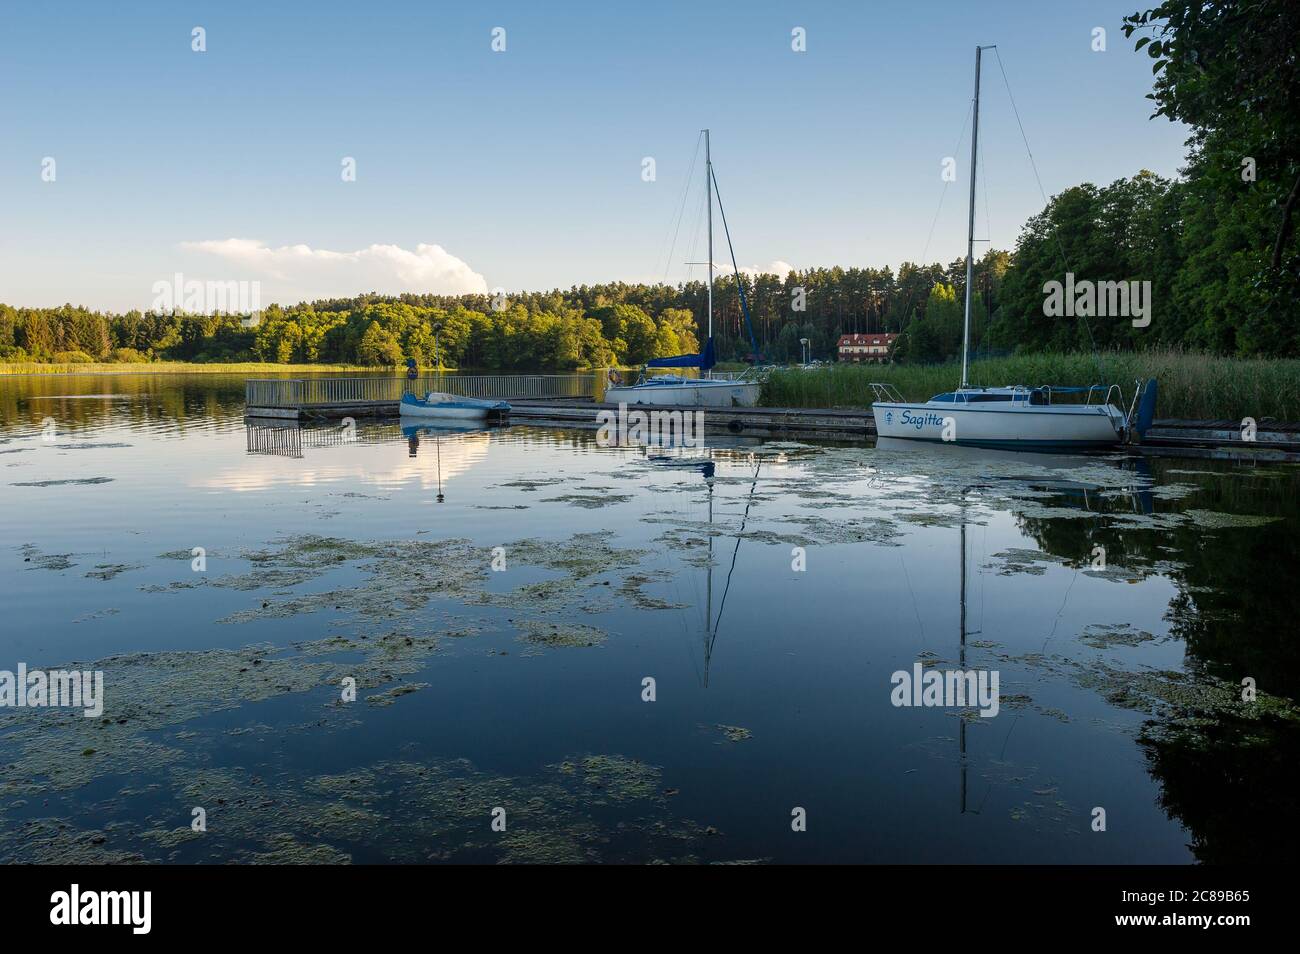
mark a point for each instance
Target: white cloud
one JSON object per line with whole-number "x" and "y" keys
{"x": 720, "y": 269}
{"x": 778, "y": 268}
{"x": 303, "y": 272}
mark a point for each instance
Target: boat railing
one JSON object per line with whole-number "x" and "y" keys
{"x": 885, "y": 393}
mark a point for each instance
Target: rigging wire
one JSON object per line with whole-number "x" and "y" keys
{"x": 700, "y": 214}
{"x": 740, "y": 286}
{"x": 686, "y": 191}
{"x": 947, "y": 182}
{"x": 1061, "y": 611}
{"x": 1043, "y": 193}
{"x": 734, "y": 553}
{"x": 915, "y": 609}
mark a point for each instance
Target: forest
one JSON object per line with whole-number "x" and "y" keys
{"x": 1218, "y": 245}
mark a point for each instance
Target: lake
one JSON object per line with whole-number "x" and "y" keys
{"x": 331, "y": 643}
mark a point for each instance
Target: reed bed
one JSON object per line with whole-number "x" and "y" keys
{"x": 1192, "y": 386}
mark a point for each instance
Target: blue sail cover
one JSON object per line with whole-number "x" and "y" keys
{"x": 704, "y": 360}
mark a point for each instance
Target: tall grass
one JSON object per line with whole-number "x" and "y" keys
{"x": 1195, "y": 386}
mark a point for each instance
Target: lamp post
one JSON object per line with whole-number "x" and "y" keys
{"x": 803, "y": 349}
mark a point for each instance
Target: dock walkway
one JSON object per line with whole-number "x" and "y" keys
{"x": 568, "y": 400}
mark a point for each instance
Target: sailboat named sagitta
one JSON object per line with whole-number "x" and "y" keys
{"x": 1014, "y": 416}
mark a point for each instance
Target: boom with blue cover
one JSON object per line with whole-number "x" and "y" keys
{"x": 704, "y": 360}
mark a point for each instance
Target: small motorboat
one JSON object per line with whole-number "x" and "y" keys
{"x": 452, "y": 407}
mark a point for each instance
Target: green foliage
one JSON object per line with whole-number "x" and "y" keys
{"x": 378, "y": 347}
{"x": 72, "y": 357}
{"x": 1229, "y": 70}
{"x": 936, "y": 334}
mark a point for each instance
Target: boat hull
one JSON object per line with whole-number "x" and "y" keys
{"x": 1067, "y": 426}
{"x": 454, "y": 409}
{"x": 687, "y": 393}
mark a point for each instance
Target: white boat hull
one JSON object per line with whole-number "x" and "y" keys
{"x": 450, "y": 407}
{"x": 445, "y": 413}
{"x": 1007, "y": 425}
{"x": 687, "y": 393}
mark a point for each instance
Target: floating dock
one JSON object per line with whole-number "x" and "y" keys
{"x": 568, "y": 400}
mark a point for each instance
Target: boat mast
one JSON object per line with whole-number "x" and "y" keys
{"x": 970, "y": 231}
{"x": 708, "y": 186}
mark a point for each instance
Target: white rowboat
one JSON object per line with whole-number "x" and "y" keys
{"x": 451, "y": 407}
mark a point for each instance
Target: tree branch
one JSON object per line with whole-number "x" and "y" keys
{"x": 1285, "y": 229}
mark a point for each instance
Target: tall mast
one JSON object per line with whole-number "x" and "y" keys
{"x": 970, "y": 232}
{"x": 708, "y": 185}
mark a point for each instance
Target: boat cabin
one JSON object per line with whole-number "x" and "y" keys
{"x": 1036, "y": 397}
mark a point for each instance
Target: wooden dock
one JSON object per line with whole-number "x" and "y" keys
{"x": 332, "y": 398}
{"x": 828, "y": 424}
{"x": 569, "y": 401}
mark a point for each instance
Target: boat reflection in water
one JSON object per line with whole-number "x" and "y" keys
{"x": 455, "y": 449}
{"x": 1070, "y": 491}
{"x": 414, "y": 432}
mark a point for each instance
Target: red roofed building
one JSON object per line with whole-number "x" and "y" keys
{"x": 866, "y": 347}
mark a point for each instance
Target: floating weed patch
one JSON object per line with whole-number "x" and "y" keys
{"x": 1108, "y": 635}
{"x": 266, "y": 577}
{"x": 633, "y": 589}
{"x": 97, "y": 614}
{"x": 559, "y": 635}
{"x": 553, "y": 817}
{"x": 106, "y": 571}
{"x": 875, "y": 530}
{"x": 1181, "y": 703}
{"x": 1015, "y": 560}
{"x": 435, "y": 810}
{"x": 532, "y": 486}
{"x": 49, "y": 841}
{"x": 60, "y": 749}
{"x": 389, "y": 696}
{"x": 284, "y": 849}
{"x": 589, "y": 501}
{"x": 612, "y": 778}
{"x": 45, "y": 561}
{"x": 581, "y": 556}
{"x": 690, "y": 547}
{"x": 734, "y": 733}
{"x": 71, "y": 481}
{"x": 90, "y": 445}
{"x": 1213, "y": 520}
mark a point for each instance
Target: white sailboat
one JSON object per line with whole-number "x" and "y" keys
{"x": 678, "y": 390}
{"x": 1014, "y": 416}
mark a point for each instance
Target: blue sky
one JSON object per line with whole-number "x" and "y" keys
{"x": 525, "y": 166}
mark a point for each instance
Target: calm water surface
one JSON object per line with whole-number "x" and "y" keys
{"x": 1121, "y": 602}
